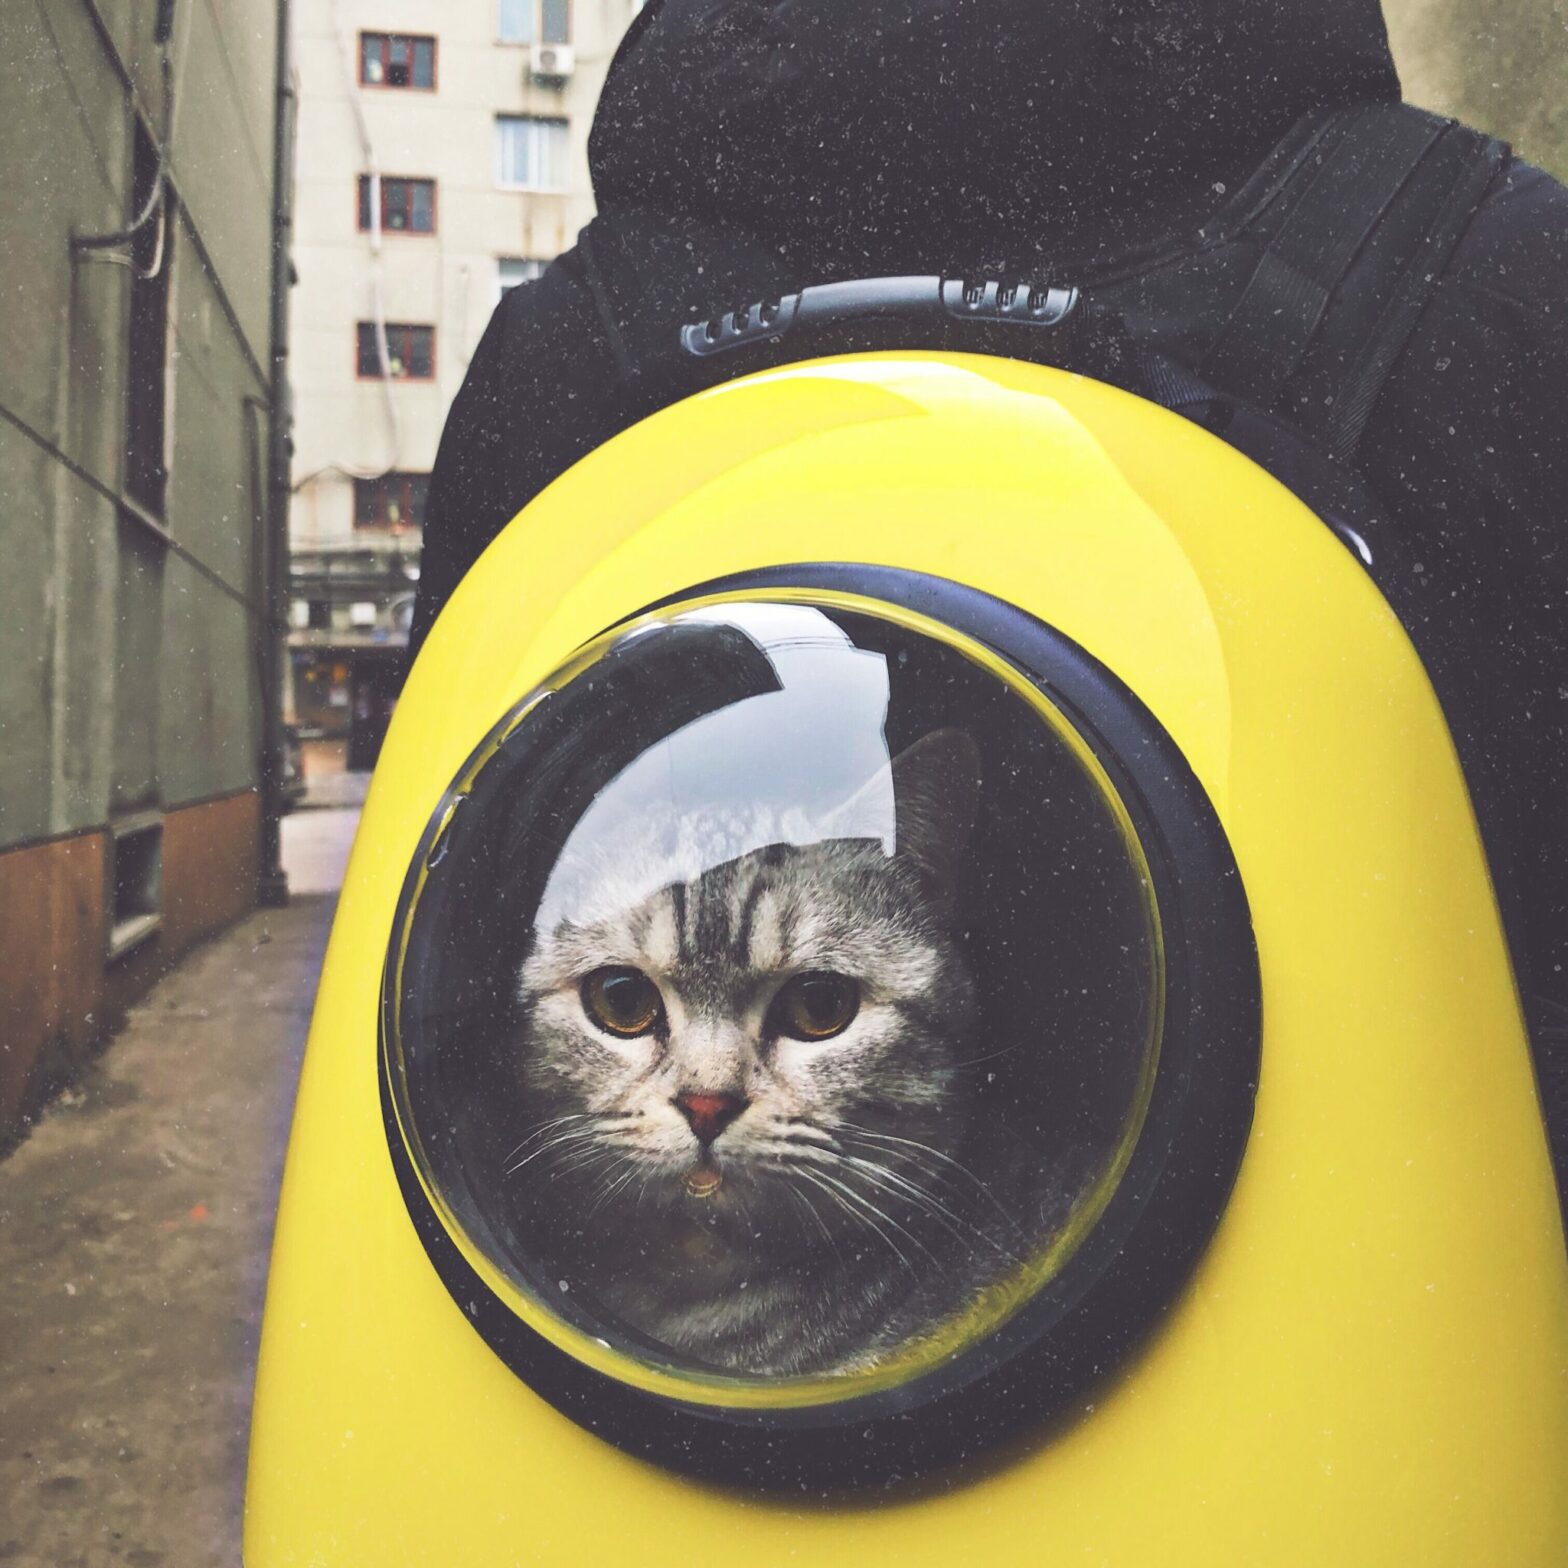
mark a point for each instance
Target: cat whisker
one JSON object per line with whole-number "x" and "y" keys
{"x": 642, "y": 1191}
{"x": 900, "y": 1186}
{"x": 811, "y": 1209}
{"x": 572, "y": 1136}
{"x": 886, "y": 1175}
{"x": 582, "y": 1144}
{"x": 915, "y": 1160}
{"x": 990, "y": 1056}
{"x": 880, "y": 1214}
{"x": 805, "y": 1132}
{"x": 784, "y": 1159}
{"x": 897, "y": 1186}
{"x": 937, "y": 1154}
{"x": 855, "y": 1213}
{"x": 606, "y": 1174}
{"x": 539, "y": 1129}
{"x": 571, "y": 1139}
{"x": 911, "y": 1143}
{"x": 790, "y": 1151}
{"x": 587, "y": 1159}
{"x": 612, "y": 1186}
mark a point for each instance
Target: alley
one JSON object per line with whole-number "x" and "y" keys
{"x": 135, "y": 1224}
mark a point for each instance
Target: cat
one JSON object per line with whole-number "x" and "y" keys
{"x": 751, "y": 1129}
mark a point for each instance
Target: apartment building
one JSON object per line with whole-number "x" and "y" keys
{"x": 442, "y": 158}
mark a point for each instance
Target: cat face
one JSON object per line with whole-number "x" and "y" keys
{"x": 737, "y": 1040}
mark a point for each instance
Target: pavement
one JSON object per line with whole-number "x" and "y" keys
{"x": 334, "y": 791}
{"x": 135, "y": 1225}
{"x": 315, "y": 849}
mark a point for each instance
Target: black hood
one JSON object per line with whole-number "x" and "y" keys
{"x": 863, "y": 136}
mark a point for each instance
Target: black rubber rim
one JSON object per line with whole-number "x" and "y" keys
{"x": 1086, "y": 1321}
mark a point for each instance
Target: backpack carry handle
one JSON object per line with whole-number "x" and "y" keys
{"x": 938, "y": 300}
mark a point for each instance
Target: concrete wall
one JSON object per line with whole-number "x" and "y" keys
{"x": 127, "y": 638}
{"x": 59, "y": 996}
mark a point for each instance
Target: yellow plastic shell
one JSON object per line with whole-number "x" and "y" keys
{"x": 1370, "y": 1364}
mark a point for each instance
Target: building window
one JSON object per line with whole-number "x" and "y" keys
{"x": 407, "y": 206}
{"x": 411, "y": 351}
{"x": 147, "y": 357}
{"x": 512, "y": 270}
{"x": 530, "y": 153}
{"x": 136, "y": 882}
{"x": 393, "y": 501}
{"x": 397, "y": 60}
{"x": 536, "y": 22}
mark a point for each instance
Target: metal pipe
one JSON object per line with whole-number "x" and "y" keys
{"x": 272, "y": 626}
{"x": 154, "y": 202}
{"x": 189, "y": 226}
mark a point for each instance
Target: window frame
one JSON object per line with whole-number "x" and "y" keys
{"x": 404, "y": 479}
{"x": 538, "y": 9}
{"x": 134, "y": 876}
{"x": 387, "y": 39}
{"x": 147, "y": 420}
{"x": 502, "y": 288}
{"x": 392, "y": 327}
{"x": 362, "y": 204}
{"x": 535, "y": 189}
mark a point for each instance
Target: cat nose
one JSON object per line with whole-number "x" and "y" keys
{"x": 709, "y": 1114}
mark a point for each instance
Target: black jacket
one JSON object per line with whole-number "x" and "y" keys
{"x": 744, "y": 147}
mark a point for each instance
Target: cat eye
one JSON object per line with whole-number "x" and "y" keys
{"x": 815, "y": 1006}
{"x": 621, "y": 1000}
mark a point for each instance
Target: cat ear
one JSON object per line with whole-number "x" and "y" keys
{"x": 936, "y": 795}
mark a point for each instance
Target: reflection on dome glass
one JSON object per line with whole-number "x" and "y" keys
{"x": 783, "y": 997}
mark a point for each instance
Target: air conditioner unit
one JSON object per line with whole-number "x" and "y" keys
{"x": 552, "y": 62}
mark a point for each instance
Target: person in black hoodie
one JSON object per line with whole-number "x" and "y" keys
{"x": 745, "y": 148}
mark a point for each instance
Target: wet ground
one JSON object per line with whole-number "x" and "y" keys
{"x": 135, "y": 1224}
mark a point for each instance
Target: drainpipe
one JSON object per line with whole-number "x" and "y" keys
{"x": 273, "y": 887}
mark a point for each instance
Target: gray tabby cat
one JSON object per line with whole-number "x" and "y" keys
{"x": 753, "y": 1135}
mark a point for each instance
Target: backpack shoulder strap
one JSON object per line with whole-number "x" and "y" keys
{"x": 1348, "y": 367}
{"x": 1381, "y": 199}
